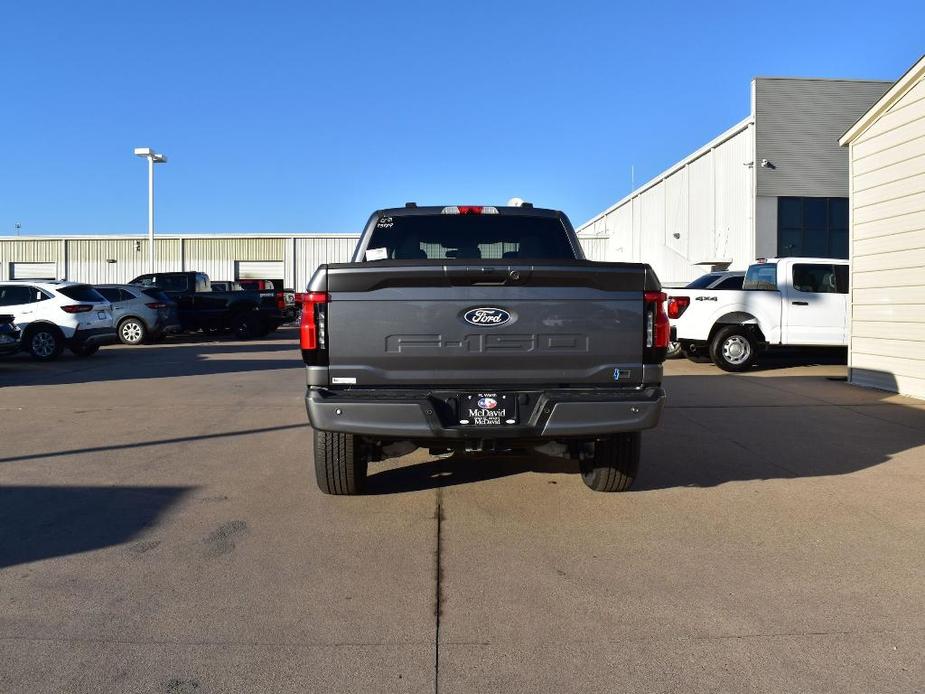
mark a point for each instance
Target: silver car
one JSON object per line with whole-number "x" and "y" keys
{"x": 140, "y": 314}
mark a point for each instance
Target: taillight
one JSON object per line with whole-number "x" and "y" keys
{"x": 280, "y": 301}
{"x": 312, "y": 328}
{"x": 77, "y": 308}
{"x": 156, "y": 304}
{"x": 678, "y": 305}
{"x": 658, "y": 329}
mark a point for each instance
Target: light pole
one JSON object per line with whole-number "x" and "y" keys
{"x": 153, "y": 158}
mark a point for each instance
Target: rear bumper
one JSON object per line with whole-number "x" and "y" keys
{"x": 550, "y": 414}
{"x": 94, "y": 336}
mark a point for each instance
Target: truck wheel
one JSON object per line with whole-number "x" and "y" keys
{"x": 244, "y": 327}
{"x": 261, "y": 327}
{"x": 734, "y": 349}
{"x": 45, "y": 343}
{"x": 339, "y": 466}
{"x": 615, "y": 463}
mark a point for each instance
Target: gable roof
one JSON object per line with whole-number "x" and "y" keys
{"x": 886, "y": 102}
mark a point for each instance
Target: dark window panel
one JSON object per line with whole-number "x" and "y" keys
{"x": 790, "y": 213}
{"x": 815, "y": 243}
{"x": 838, "y": 213}
{"x": 838, "y": 243}
{"x": 790, "y": 242}
{"x": 815, "y": 213}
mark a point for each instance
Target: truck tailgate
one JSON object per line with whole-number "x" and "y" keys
{"x": 413, "y": 324}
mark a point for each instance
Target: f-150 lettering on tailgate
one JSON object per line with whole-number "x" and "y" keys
{"x": 435, "y": 343}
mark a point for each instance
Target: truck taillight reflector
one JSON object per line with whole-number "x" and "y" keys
{"x": 678, "y": 305}
{"x": 658, "y": 329}
{"x": 312, "y": 333}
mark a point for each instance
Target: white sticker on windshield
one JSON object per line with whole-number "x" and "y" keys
{"x": 377, "y": 254}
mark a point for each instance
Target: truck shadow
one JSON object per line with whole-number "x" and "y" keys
{"x": 41, "y": 522}
{"x": 723, "y": 428}
{"x": 463, "y": 469}
{"x": 166, "y": 360}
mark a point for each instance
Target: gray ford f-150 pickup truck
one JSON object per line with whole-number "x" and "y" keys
{"x": 480, "y": 329}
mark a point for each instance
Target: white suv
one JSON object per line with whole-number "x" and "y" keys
{"x": 56, "y": 314}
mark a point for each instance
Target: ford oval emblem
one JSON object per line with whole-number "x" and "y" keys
{"x": 487, "y": 315}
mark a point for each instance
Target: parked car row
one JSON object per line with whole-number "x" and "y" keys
{"x": 45, "y": 317}
{"x": 286, "y": 299}
{"x": 54, "y": 315}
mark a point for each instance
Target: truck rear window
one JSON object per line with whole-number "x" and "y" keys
{"x": 762, "y": 276}
{"x": 468, "y": 237}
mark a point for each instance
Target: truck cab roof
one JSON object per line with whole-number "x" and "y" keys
{"x": 799, "y": 259}
{"x": 468, "y": 209}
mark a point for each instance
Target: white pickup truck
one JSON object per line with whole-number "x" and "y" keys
{"x": 783, "y": 302}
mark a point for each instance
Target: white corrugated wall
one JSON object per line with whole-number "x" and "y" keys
{"x": 700, "y": 210}
{"x": 312, "y": 252}
{"x": 117, "y": 259}
{"x": 21, "y": 250}
{"x": 217, "y": 256}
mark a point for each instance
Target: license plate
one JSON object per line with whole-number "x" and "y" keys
{"x": 101, "y": 315}
{"x": 487, "y": 409}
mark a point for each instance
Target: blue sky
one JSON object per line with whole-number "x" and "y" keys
{"x": 306, "y": 116}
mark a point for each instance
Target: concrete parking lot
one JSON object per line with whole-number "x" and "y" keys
{"x": 160, "y": 531}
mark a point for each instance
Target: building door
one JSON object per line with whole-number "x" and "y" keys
{"x": 259, "y": 270}
{"x": 33, "y": 271}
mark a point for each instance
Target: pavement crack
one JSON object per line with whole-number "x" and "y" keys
{"x": 438, "y": 587}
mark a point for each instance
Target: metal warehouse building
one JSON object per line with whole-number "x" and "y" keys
{"x": 775, "y": 184}
{"x": 102, "y": 259}
{"x": 887, "y": 319}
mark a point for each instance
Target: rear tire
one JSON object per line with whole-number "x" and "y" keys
{"x": 244, "y": 327}
{"x": 615, "y": 463}
{"x": 132, "y": 331}
{"x": 44, "y": 343}
{"x": 339, "y": 466}
{"x": 734, "y": 349}
{"x": 261, "y": 327}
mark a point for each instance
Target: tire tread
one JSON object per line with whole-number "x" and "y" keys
{"x": 615, "y": 463}
{"x": 339, "y": 467}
